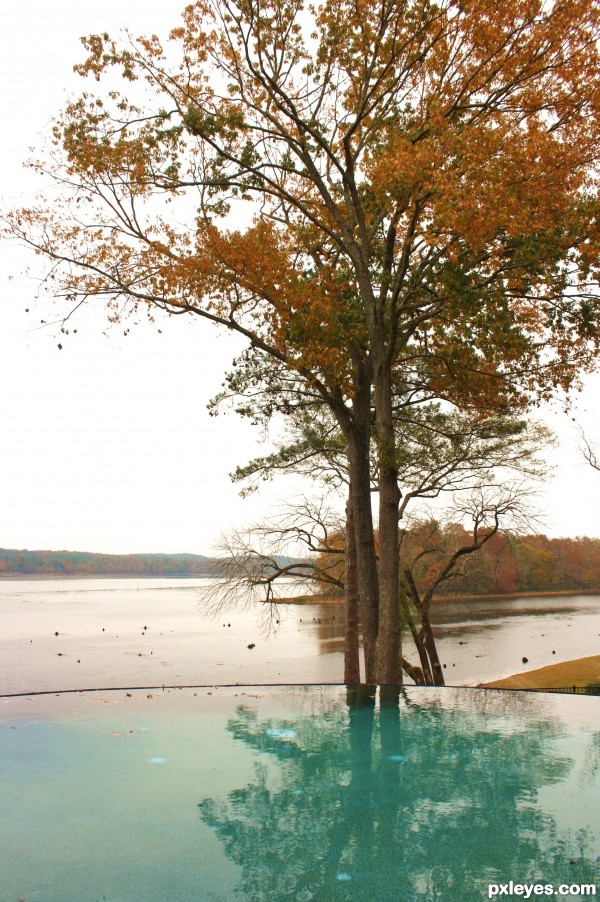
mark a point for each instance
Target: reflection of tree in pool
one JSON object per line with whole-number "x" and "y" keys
{"x": 379, "y": 804}
{"x": 592, "y": 758}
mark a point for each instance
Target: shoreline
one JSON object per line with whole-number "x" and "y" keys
{"x": 548, "y": 593}
{"x": 509, "y": 596}
{"x": 577, "y": 673}
{"x": 57, "y": 634}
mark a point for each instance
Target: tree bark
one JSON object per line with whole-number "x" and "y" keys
{"x": 432, "y": 652}
{"x": 366, "y": 558}
{"x": 358, "y": 437}
{"x": 351, "y": 645}
{"x": 414, "y": 672}
{"x": 421, "y": 650}
{"x": 426, "y": 637}
{"x": 388, "y": 670}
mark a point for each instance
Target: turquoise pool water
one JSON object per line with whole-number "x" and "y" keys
{"x": 299, "y": 793}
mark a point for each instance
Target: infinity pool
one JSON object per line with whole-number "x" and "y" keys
{"x": 296, "y": 793}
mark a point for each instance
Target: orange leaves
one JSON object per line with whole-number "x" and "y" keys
{"x": 416, "y": 172}
{"x": 263, "y": 273}
{"x": 105, "y": 53}
{"x": 500, "y": 128}
{"x": 481, "y": 179}
{"x": 402, "y": 171}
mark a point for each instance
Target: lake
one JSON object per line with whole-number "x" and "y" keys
{"x": 152, "y": 632}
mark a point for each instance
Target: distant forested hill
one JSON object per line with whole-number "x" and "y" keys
{"x": 86, "y": 563}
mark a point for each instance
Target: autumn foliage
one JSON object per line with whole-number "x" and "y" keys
{"x": 84, "y": 563}
{"x": 447, "y": 154}
{"x": 515, "y": 564}
{"x": 506, "y": 565}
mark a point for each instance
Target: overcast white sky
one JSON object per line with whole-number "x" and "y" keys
{"x": 106, "y": 445}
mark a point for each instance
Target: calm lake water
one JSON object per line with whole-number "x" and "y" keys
{"x": 149, "y": 632}
{"x": 271, "y": 794}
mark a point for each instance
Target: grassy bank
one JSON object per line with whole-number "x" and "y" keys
{"x": 580, "y": 672}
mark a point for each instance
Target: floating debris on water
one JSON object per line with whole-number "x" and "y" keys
{"x": 281, "y": 733}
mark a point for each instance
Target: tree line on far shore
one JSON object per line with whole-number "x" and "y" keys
{"x": 506, "y": 564}
{"x": 84, "y": 563}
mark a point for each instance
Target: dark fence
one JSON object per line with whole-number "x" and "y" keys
{"x": 594, "y": 689}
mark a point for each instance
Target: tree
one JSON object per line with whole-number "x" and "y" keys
{"x": 258, "y": 563}
{"x": 370, "y": 143}
{"x": 254, "y": 562}
{"x": 444, "y": 549}
{"x": 482, "y": 466}
{"x": 589, "y": 451}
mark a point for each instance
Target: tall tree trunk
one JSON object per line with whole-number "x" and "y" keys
{"x": 351, "y": 648}
{"x": 366, "y": 558}
{"x": 388, "y": 653}
{"x": 357, "y": 433}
